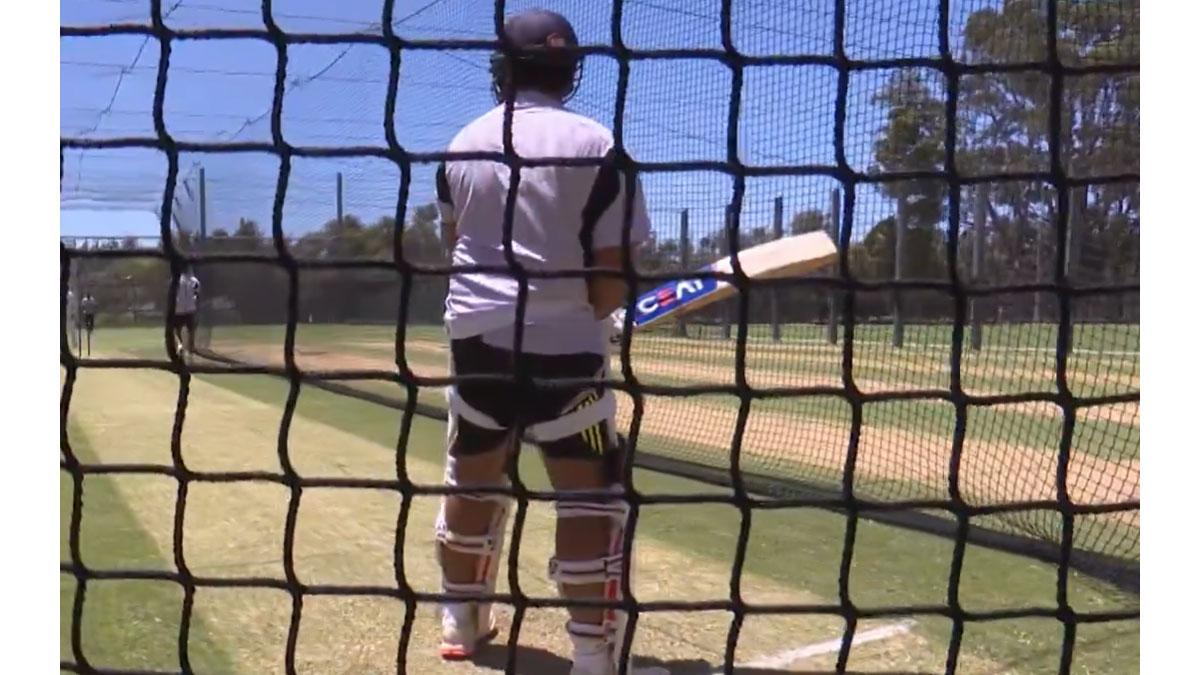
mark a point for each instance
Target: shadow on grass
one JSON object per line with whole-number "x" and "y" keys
{"x": 125, "y": 624}
{"x": 543, "y": 662}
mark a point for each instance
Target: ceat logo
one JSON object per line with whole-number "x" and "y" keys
{"x": 664, "y": 298}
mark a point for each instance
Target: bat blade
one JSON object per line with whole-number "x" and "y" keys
{"x": 790, "y": 256}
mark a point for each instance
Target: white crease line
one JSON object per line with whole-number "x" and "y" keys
{"x": 784, "y": 659}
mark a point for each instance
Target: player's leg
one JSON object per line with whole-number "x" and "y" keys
{"x": 583, "y": 454}
{"x": 71, "y": 326}
{"x": 589, "y": 543}
{"x": 177, "y": 332}
{"x": 470, "y": 527}
{"x": 89, "y": 325}
{"x": 190, "y": 322}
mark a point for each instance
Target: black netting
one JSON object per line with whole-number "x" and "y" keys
{"x": 970, "y": 367}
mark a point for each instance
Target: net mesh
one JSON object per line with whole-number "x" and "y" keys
{"x": 969, "y": 367}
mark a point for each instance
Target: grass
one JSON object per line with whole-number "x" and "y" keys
{"x": 131, "y": 625}
{"x": 1113, "y": 439}
{"x": 1102, "y": 534}
{"x": 797, "y": 551}
{"x": 891, "y": 567}
{"x": 1021, "y": 361}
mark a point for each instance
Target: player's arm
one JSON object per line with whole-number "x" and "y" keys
{"x": 607, "y": 293}
{"x": 445, "y": 205}
{"x": 604, "y": 226}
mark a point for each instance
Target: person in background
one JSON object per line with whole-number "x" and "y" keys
{"x": 187, "y": 299}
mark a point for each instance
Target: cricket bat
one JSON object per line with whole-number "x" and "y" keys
{"x": 791, "y": 256}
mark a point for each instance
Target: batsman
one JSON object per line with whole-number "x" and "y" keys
{"x": 565, "y": 217}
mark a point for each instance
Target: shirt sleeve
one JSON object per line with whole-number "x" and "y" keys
{"x": 445, "y": 202}
{"x": 604, "y": 212}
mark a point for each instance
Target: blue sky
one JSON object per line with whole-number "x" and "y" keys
{"x": 676, "y": 110}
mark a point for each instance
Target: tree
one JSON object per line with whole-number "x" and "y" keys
{"x": 247, "y": 237}
{"x": 345, "y": 237}
{"x": 249, "y": 231}
{"x": 923, "y": 252}
{"x": 1005, "y": 127}
{"x": 380, "y": 236}
{"x": 422, "y": 237}
{"x": 913, "y": 140}
{"x": 809, "y": 220}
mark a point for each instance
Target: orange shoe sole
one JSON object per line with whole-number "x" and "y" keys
{"x": 450, "y": 652}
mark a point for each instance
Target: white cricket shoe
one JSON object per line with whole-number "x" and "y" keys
{"x": 464, "y": 630}
{"x": 594, "y": 657}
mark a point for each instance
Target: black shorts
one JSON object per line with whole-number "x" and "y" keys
{"x": 181, "y": 321}
{"x": 89, "y": 322}
{"x": 511, "y": 404}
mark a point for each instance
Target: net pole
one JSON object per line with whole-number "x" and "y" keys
{"x": 203, "y": 206}
{"x": 77, "y": 271}
{"x": 897, "y": 310}
{"x": 204, "y": 316}
{"x": 685, "y": 263}
{"x": 835, "y": 226}
{"x": 1039, "y": 246}
{"x": 777, "y": 225}
{"x": 727, "y": 311}
{"x": 1075, "y": 233}
{"x": 977, "y": 243}
{"x": 339, "y": 201}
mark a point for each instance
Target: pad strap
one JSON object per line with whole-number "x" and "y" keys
{"x": 498, "y": 498}
{"x": 571, "y": 423}
{"x": 481, "y": 544}
{"x": 580, "y": 572}
{"x": 617, "y": 510}
{"x": 464, "y": 590}
{"x": 587, "y": 630}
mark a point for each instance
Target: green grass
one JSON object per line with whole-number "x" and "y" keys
{"x": 802, "y": 548}
{"x": 996, "y": 368}
{"x": 1108, "y": 439}
{"x": 1099, "y": 337}
{"x": 1089, "y": 337}
{"x": 798, "y": 548}
{"x": 130, "y": 625}
{"x": 1089, "y": 534}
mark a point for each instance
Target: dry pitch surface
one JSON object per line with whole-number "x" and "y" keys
{"x": 887, "y": 453}
{"x": 346, "y": 536}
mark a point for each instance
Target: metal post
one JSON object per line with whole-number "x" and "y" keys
{"x": 898, "y": 230}
{"x": 777, "y": 223}
{"x": 685, "y": 263}
{"x": 339, "y": 201}
{"x": 1037, "y": 264}
{"x": 979, "y": 236}
{"x": 835, "y": 228}
{"x": 203, "y": 206}
{"x": 726, "y": 318}
{"x": 1075, "y": 235}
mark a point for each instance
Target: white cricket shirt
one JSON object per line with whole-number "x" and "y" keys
{"x": 187, "y": 294}
{"x": 555, "y": 206}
